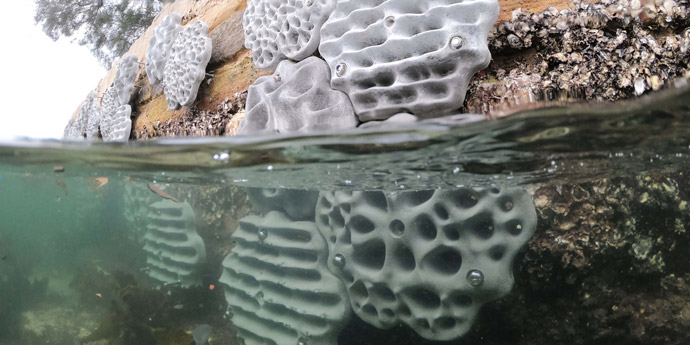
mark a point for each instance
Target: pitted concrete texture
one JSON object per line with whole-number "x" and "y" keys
{"x": 395, "y": 120}
{"x": 159, "y": 47}
{"x": 93, "y": 109}
{"x": 297, "y": 204}
{"x": 88, "y": 110}
{"x": 125, "y": 78}
{"x": 428, "y": 259}
{"x": 83, "y": 116}
{"x": 109, "y": 107}
{"x": 136, "y": 199}
{"x": 116, "y": 122}
{"x": 186, "y": 67}
{"x": 297, "y": 97}
{"x": 411, "y": 56}
{"x": 276, "y": 30}
{"x": 120, "y": 124}
{"x": 277, "y": 284}
{"x": 71, "y": 131}
{"x": 175, "y": 251}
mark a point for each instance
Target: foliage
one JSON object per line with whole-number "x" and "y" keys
{"x": 106, "y": 27}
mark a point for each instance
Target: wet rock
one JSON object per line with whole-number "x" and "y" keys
{"x": 195, "y": 123}
{"x": 228, "y": 39}
{"x": 606, "y": 51}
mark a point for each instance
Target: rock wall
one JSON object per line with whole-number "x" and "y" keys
{"x": 231, "y": 65}
{"x": 531, "y": 65}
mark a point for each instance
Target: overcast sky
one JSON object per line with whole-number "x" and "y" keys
{"x": 43, "y": 81}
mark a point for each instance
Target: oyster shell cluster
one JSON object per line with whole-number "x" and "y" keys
{"x": 610, "y": 50}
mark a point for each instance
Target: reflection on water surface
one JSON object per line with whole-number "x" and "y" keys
{"x": 558, "y": 226}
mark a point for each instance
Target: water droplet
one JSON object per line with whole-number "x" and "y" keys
{"x": 640, "y": 86}
{"x": 389, "y": 21}
{"x": 340, "y": 69}
{"x": 269, "y": 168}
{"x": 301, "y": 341}
{"x": 508, "y": 205}
{"x": 456, "y": 42}
{"x": 475, "y": 278}
{"x": 456, "y": 170}
{"x": 262, "y": 234}
{"x": 221, "y": 156}
{"x": 339, "y": 260}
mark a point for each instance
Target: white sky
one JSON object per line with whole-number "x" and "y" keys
{"x": 41, "y": 82}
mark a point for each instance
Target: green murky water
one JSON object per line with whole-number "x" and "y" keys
{"x": 395, "y": 236}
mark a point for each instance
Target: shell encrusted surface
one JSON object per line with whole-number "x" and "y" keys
{"x": 297, "y": 97}
{"x": 159, "y": 47}
{"x": 278, "y": 286}
{"x": 407, "y": 257}
{"x": 276, "y": 30}
{"x": 186, "y": 65}
{"x": 393, "y": 56}
{"x": 174, "y": 249}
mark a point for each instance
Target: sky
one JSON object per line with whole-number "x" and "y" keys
{"x": 42, "y": 82}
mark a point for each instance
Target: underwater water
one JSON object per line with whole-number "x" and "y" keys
{"x": 557, "y": 226}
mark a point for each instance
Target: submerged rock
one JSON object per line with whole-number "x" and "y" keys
{"x": 201, "y": 334}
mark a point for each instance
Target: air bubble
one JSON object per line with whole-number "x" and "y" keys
{"x": 262, "y": 234}
{"x": 339, "y": 260}
{"x": 340, "y": 69}
{"x": 389, "y": 21}
{"x": 456, "y": 42}
{"x": 475, "y": 278}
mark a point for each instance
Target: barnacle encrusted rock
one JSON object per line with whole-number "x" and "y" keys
{"x": 125, "y": 78}
{"x": 276, "y": 30}
{"x": 186, "y": 66}
{"x": 174, "y": 249}
{"x": 595, "y": 50}
{"x": 297, "y": 204}
{"x": 297, "y": 97}
{"x": 116, "y": 122}
{"x": 159, "y": 47}
{"x": 277, "y": 284}
{"x": 407, "y": 56}
{"x": 429, "y": 259}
